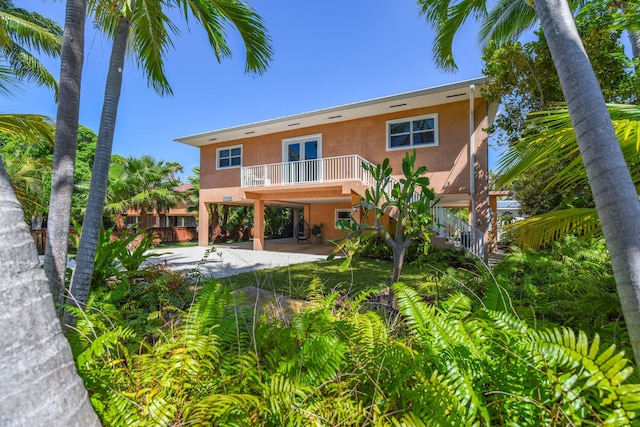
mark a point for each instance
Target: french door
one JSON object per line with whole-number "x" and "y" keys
{"x": 302, "y": 158}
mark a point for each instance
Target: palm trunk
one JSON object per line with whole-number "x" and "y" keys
{"x": 634, "y": 39}
{"x": 64, "y": 152}
{"x": 613, "y": 191}
{"x": 40, "y": 386}
{"x": 81, "y": 279}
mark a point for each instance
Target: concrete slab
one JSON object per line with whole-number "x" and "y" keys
{"x": 230, "y": 259}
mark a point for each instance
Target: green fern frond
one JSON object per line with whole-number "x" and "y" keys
{"x": 370, "y": 331}
{"x": 417, "y": 314}
{"x": 588, "y": 368}
{"x": 208, "y": 410}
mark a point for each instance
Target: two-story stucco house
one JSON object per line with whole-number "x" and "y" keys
{"x": 312, "y": 162}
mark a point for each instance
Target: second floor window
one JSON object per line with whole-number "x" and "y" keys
{"x": 413, "y": 132}
{"x": 229, "y": 157}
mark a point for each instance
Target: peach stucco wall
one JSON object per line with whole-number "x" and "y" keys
{"x": 448, "y": 163}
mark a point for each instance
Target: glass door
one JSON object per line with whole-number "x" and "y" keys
{"x": 303, "y": 158}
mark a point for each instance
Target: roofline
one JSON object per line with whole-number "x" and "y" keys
{"x": 405, "y": 95}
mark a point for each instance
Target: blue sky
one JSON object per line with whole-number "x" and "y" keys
{"x": 326, "y": 53}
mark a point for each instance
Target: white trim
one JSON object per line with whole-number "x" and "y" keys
{"x": 435, "y": 143}
{"x": 229, "y": 147}
{"x": 301, "y": 139}
{"x": 337, "y": 218}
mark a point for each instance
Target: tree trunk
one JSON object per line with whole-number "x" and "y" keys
{"x": 64, "y": 151}
{"x": 83, "y": 272}
{"x": 634, "y": 38}
{"x": 613, "y": 191}
{"x": 40, "y": 386}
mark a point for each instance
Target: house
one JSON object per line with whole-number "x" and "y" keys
{"x": 312, "y": 162}
{"x": 176, "y": 224}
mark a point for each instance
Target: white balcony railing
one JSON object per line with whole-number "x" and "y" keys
{"x": 329, "y": 169}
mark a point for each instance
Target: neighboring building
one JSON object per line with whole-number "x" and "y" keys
{"x": 176, "y": 224}
{"x": 312, "y": 162}
{"x": 508, "y": 211}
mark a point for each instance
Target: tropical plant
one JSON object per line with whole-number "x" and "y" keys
{"x": 33, "y": 345}
{"x": 437, "y": 364}
{"x": 142, "y": 184}
{"x": 602, "y": 157}
{"x": 118, "y": 258}
{"x": 193, "y": 193}
{"x": 149, "y": 27}
{"x": 570, "y": 284}
{"x": 27, "y": 174}
{"x": 21, "y": 31}
{"x": 409, "y": 201}
{"x": 64, "y": 151}
{"x": 557, "y": 140}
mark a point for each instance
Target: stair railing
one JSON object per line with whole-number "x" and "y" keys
{"x": 445, "y": 223}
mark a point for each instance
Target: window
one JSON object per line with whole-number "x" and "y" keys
{"x": 412, "y": 132}
{"x": 342, "y": 214}
{"x": 229, "y": 157}
{"x": 180, "y": 221}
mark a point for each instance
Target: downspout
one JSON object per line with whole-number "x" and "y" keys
{"x": 472, "y": 158}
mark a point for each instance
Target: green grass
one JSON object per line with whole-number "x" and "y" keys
{"x": 364, "y": 274}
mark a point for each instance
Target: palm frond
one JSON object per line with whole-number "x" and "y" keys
{"x": 539, "y": 231}
{"x": 31, "y": 126}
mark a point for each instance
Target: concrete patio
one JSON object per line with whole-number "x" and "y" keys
{"x": 234, "y": 258}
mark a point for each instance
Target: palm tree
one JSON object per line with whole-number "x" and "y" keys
{"x": 149, "y": 27}
{"x": 613, "y": 190}
{"x": 558, "y": 141}
{"x": 39, "y": 381}
{"x": 64, "y": 151}
{"x": 21, "y": 30}
{"x": 27, "y": 174}
{"x": 142, "y": 184}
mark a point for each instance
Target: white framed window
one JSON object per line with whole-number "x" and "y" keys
{"x": 341, "y": 214}
{"x": 229, "y": 157}
{"x": 412, "y": 132}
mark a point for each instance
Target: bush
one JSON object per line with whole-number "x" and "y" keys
{"x": 571, "y": 284}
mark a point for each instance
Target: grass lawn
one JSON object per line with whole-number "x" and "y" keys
{"x": 366, "y": 273}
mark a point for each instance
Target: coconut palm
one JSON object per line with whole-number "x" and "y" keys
{"x": 613, "y": 189}
{"x": 506, "y": 20}
{"x": 64, "y": 150}
{"x": 39, "y": 381}
{"x": 149, "y": 27}
{"x": 21, "y": 31}
{"x": 557, "y": 140}
{"x": 27, "y": 174}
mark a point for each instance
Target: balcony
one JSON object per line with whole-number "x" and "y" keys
{"x": 325, "y": 170}
{"x": 349, "y": 168}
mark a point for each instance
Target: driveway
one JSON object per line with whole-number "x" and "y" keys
{"x": 228, "y": 260}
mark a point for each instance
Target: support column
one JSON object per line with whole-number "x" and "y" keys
{"x": 258, "y": 225}
{"x": 307, "y": 213}
{"x": 203, "y": 224}
{"x": 296, "y": 219}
